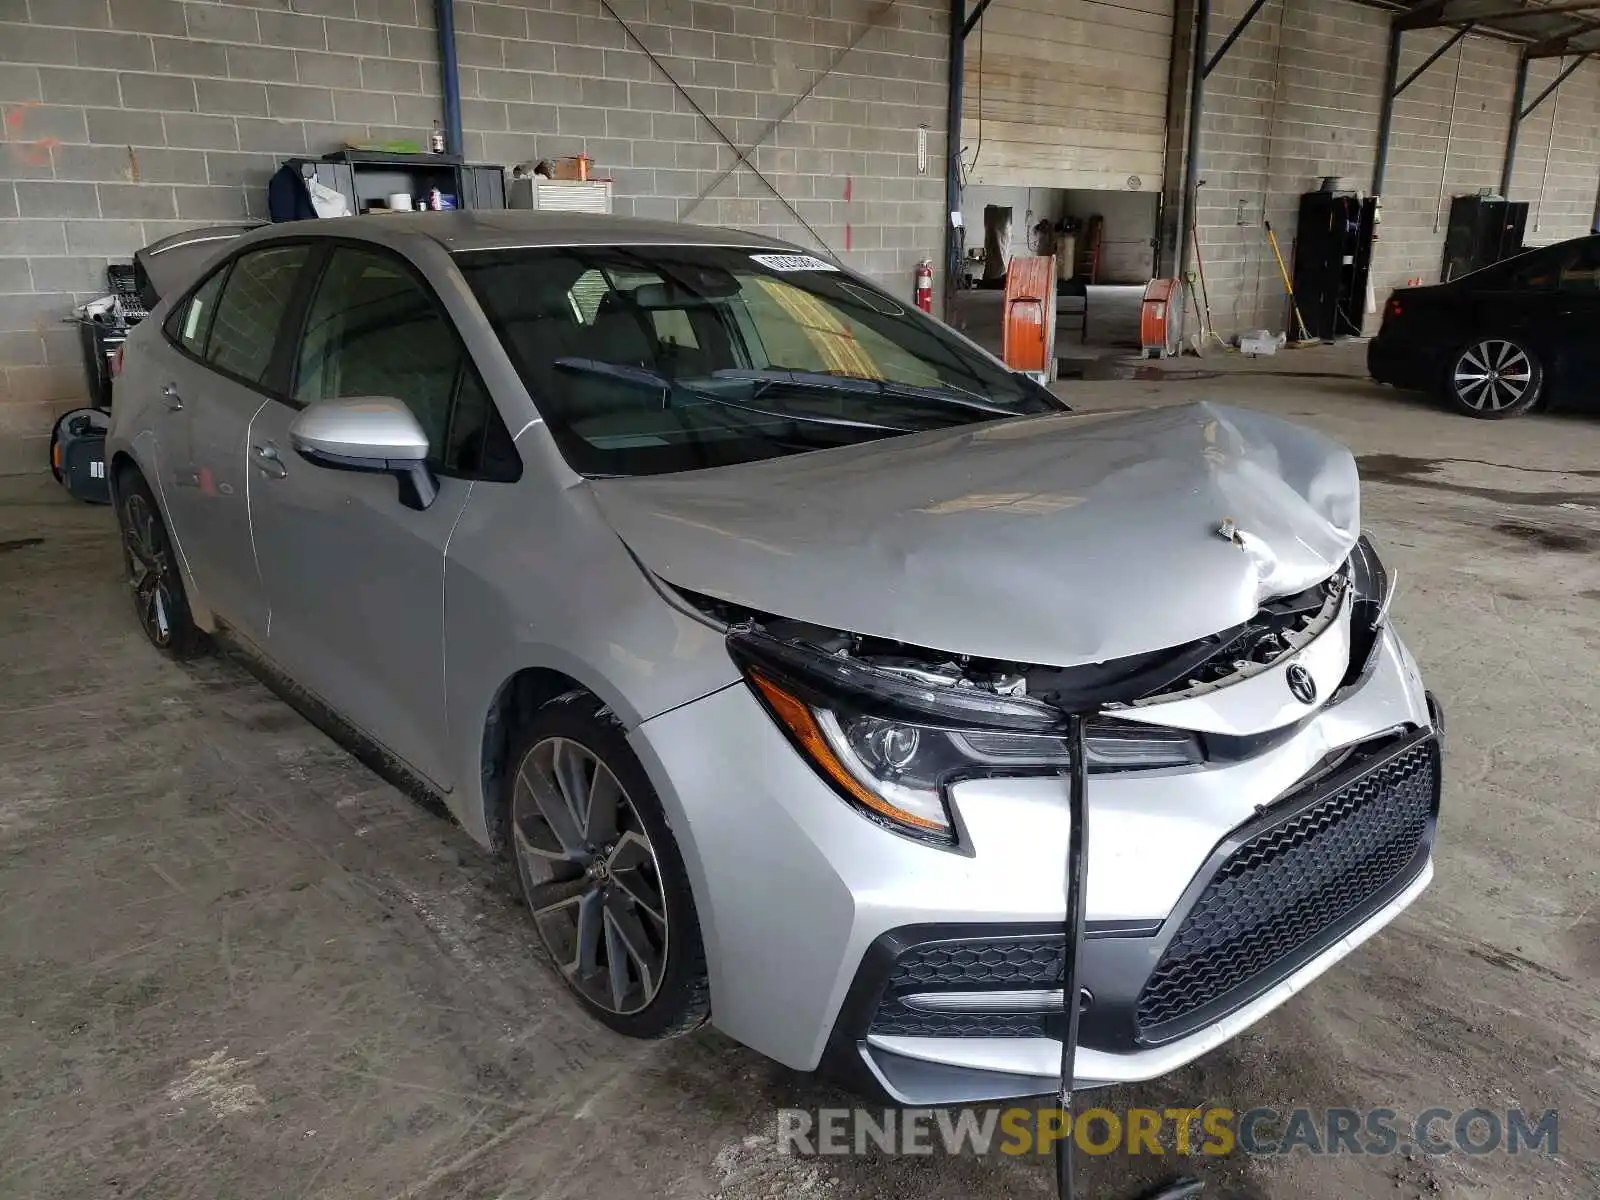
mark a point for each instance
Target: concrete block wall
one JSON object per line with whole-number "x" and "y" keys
{"x": 1477, "y": 77}
{"x": 1558, "y": 155}
{"x": 1299, "y": 98}
{"x": 1296, "y": 100}
{"x": 126, "y": 120}
{"x": 542, "y": 82}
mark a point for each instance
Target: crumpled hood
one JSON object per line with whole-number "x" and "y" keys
{"x": 1055, "y": 540}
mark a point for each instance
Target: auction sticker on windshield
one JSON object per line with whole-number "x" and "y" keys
{"x": 785, "y": 263}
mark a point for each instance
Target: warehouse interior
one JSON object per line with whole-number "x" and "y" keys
{"x": 251, "y": 953}
{"x": 129, "y": 120}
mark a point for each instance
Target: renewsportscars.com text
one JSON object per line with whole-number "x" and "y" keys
{"x": 1259, "y": 1132}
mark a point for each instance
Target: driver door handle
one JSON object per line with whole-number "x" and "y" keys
{"x": 267, "y": 461}
{"x": 170, "y": 395}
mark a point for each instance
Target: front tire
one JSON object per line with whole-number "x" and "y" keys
{"x": 154, "y": 576}
{"x": 1494, "y": 378}
{"x": 602, "y": 874}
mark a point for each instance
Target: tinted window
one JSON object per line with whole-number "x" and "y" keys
{"x": 374, "y": 330}
{"x": 1581, "y": 272}
{"x": 654, "y": 359}
{"x": 190, "y": 321}
{"x": 477, "y": 443}
{"x": 250, "y": 310}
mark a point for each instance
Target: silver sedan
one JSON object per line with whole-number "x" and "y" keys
{"x": 742, "y": 607}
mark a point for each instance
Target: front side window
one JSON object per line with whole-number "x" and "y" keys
{"x": 646, "y": 360}
{"x": 373, "y": 330}
{"x": 250, "y": 310}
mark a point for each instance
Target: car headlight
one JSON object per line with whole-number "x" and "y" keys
{"x": 892, "y": 745}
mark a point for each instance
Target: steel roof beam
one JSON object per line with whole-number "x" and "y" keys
{"x": 1449, "y": 45}
{"x": 1587, "y": 42}
{"x": 1436, "y": 13}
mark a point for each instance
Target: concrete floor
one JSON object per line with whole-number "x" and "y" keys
{"x": 238, "y": 964}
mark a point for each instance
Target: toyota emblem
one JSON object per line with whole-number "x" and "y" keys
{"x": 1302, "y": 685}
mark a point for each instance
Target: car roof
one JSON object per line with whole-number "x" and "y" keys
{"x": 505, "y": 229}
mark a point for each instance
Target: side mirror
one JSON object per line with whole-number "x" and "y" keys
{"x": 376, "y": 434}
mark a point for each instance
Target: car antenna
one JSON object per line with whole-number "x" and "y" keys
{"x": 1076, "y": 888}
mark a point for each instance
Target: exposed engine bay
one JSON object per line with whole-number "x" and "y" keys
{"x": 1280, "y": 628}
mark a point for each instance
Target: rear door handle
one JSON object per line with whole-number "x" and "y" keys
{"x": 267, "y": 461}
{"x": 170, "y": 394}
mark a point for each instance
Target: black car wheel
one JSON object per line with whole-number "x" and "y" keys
{"x": 1495, "y": 378}
{"x": 601, "y": 873}
{"x": 153, "y": 573}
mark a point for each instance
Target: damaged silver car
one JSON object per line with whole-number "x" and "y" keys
{"x": 743, "y": 608}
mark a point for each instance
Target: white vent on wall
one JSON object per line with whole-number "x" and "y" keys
{"x": 561, "y": 195}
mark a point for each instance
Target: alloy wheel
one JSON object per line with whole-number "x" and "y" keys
{"x": 151, "y": 572}
{"x": 591, "y": 876}
{"x": 1493, "y": 376}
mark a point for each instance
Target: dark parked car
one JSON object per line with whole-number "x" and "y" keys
{"x": 1503, "y": 340}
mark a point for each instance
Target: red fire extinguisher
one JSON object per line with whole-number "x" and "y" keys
{"x": 925, "y": 286}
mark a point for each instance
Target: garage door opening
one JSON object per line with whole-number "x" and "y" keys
{"x": 1064, "y": 123}
{"x": 1104, "y": 243}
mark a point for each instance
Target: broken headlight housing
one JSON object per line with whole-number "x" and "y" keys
{"x": 1370, "y": 583}
{"x": 1371, "y": 593}
{"x": 892, "y": 741}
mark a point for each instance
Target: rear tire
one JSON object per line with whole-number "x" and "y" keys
{"x": 1494, "y": 378}
{"x": 602, "y": 874}
{"x": 154, "y": 576}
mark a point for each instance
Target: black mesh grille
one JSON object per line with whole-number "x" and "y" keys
{"x": 990, "y": 965}
{"x": 895, "y": 1019}
{"x": 1293, "y": 882}
{"x": 978, "y": 965}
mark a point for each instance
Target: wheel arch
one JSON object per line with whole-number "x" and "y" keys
{"x": 519, "y": 696}
{"x": 514, "y": 703}
{"x": 124, "y": 463}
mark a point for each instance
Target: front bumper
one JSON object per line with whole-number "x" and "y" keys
{"x": 797, "y": 895}
{"x": 1279, "y": 902}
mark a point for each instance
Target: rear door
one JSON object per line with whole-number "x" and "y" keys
{"x": 1575, "y": 350}
{"x": 217, "y": 386}
{"x": 355, "y": 579}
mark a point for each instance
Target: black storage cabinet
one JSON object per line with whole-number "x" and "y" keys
{"x": 1483, "y": 230}
{"x": 102, "y": 337}
{"x": 369, "y": 177}
{"x": 1333, "y": 261}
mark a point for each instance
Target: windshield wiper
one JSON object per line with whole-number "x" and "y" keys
{"x": 949, "y": 394}
{"x": 655, "y": 381}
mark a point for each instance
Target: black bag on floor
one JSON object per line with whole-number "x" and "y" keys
{"x": 78, "y": 454}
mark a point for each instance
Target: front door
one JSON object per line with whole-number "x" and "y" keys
{"x": 226, "y": 331}
{"x": 356, "y": 579}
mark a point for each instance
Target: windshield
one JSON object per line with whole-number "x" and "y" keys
{"x": 650, "y": 359}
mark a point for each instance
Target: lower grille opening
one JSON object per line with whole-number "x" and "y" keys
{"x": 1292, "y": 884}
{"x": 999, "y": 965}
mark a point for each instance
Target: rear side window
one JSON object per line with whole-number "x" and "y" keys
{"x": 1582, "y": 272}
{"x": 250, "y": 311}
{"x": 374, "y": 330}
{"x": 1538, "y": 272}
{"x": 190, "y": 322}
